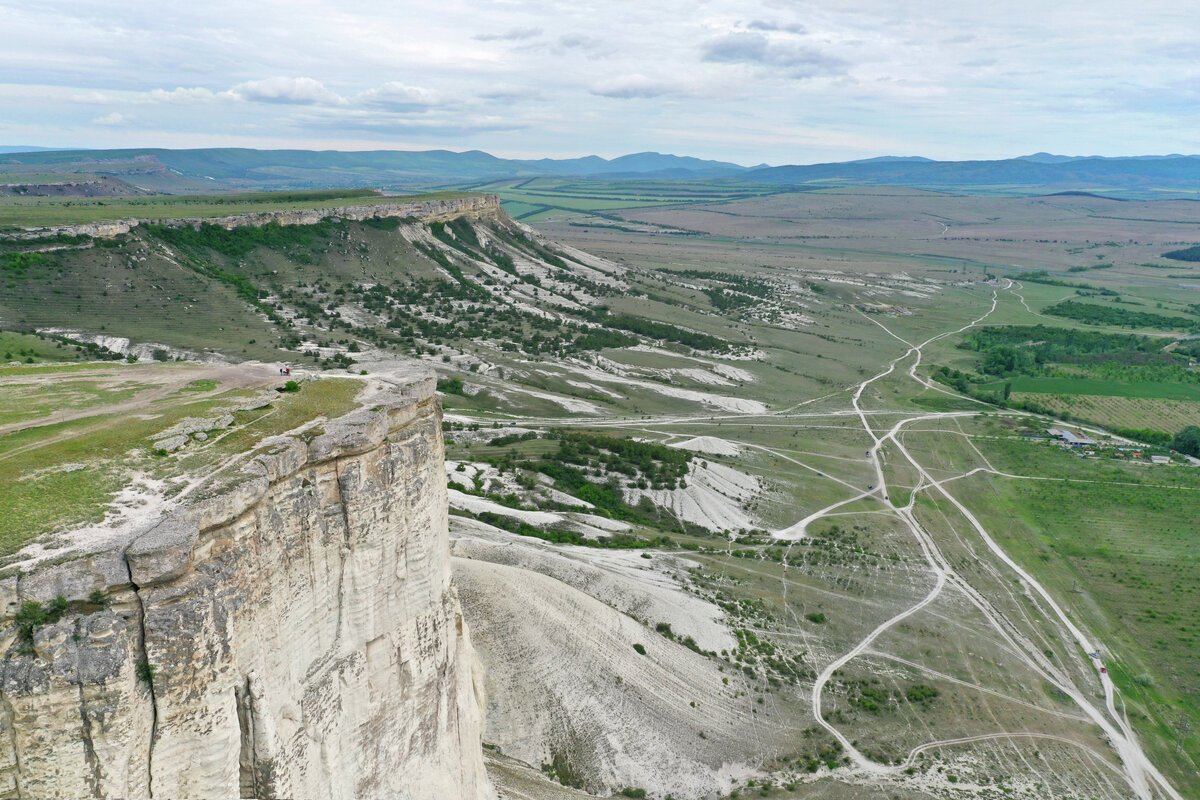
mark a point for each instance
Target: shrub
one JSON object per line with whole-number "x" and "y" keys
{"x": 450, "y": 386}
{"x": 919, "y": 693}
{"x": 816, "y": 617}
{"x": 641, "y": 649}
{"x": 290, "y": 386}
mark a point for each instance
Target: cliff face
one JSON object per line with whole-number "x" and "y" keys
{"x": 424, "y": 210}
{"x": 292, "y": 634}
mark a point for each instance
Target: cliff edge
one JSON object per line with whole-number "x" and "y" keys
{"x": 291, "y": 632}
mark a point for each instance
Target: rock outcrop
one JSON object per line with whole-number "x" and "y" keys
{"x": 291, "y": 633}
{"x": 426, "y": 210}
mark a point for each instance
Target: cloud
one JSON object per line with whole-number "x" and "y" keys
{"x": 395, "y": 96}
{"x": 94, "y": 98}
{"x": 388, "y": 123}
{"x": 111, "y": 120}
{"x": 293, "y": 91}
{"x": 511, "y": 35}
{"x": 508, "y": 92}
{"x": 184, "y": 94}
{"x": 753, "y": 48}
{"x": 628, "y": 87}
{"x": 764, "y": 25}
{"x": 583, "y": 43}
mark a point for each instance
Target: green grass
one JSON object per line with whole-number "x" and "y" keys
{"x": 1097, "y": 386}
{"x": 44, "y": 211}
{"x": 65, "y": 474}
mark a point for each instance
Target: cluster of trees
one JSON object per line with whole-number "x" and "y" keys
{"x": 1041, "y": 276}
{"x": 1111, "y": 315}
{"x": 659, "y": 330}
{"x": 296, "y": 241}
{"x": 1187, "y": 441}
{"x": 18, "y": 264}
{"x": 659, "y": 466}
{"x": 1035, "y": 350}
{"x": 1186, "y": 254}
{"x": 1011, "y": 349}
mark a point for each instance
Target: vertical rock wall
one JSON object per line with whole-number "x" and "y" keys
{"x": 293, "y": 634}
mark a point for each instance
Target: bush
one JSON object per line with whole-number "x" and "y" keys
{"x": 816, "y": 617}
{"x": 145, "y": 672}
{"x": 451, "y": 386}
{"x": 641, "y": 649}
{"x": 630, "y": 792}
{"x": 920, "y": 693}
{"x": 290, "y": 386}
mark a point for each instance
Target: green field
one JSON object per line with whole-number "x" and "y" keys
{"x": 1095, "y": 386}
{"x": 529, "y": 198}
{"x": 1121, "y": 549}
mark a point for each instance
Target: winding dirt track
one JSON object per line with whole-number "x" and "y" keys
{"x": 1145, "y": 781}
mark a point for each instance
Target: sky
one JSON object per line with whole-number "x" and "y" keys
{"x": 752, "y": 82}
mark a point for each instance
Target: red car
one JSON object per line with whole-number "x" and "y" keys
{"x": 1104, "y": 669}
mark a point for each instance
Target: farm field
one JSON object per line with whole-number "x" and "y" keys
{"x": 528, "y": 199}
{"x": 1094, "y": 386}
{"x": 1121, "y": 412}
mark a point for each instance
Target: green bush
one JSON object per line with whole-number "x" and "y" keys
{"x": 145, "y": 672}
{"x": 920, "y": 693}
{"x": 450, "y": 386}
{"x": 640, "y": 648}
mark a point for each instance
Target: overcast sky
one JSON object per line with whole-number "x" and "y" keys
{"x": 751, "y": 81}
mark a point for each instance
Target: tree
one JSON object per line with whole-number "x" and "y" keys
{"x": 1188, "y": 441}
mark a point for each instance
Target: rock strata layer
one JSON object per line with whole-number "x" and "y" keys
{"x": 427, "y": 210}
{"x": 291, "y": 633}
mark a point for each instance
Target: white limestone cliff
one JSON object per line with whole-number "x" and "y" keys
{"x": 294, "y": 633}
{"x": 423, "y": 209}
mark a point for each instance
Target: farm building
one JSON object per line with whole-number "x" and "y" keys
{"x": 1070, "y": 438}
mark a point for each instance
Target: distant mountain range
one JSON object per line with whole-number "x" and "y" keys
{"x": 225, "y": 169}
{"x": 1041, "y": 173}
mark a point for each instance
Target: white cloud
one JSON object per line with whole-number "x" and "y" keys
{"x": 957, "y": 80}
{"x": 111, "y": 120}
{"x": 627, "y": 87}
{"x": 511, "y": 35}
{"x": 399, "y": 97}
{"x": 293, "y": 91}
{"x": 181, "y": 94}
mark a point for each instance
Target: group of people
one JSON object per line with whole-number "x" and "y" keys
{"x": 285, "y": 370}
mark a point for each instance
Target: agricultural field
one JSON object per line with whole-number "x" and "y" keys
{"x": 533, "y": 198}
{"x": 1120, "y": 411}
